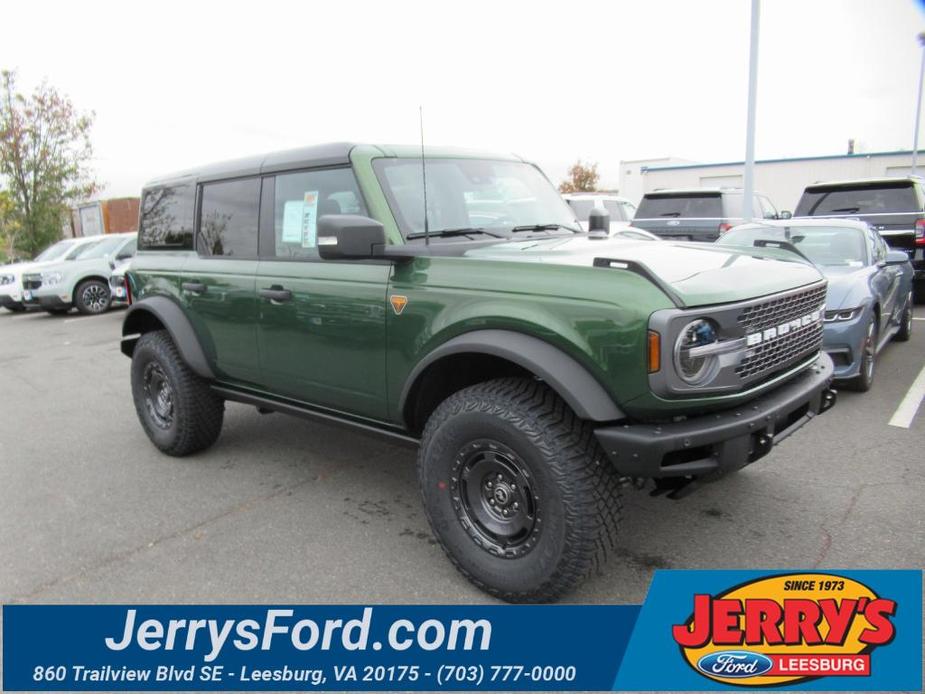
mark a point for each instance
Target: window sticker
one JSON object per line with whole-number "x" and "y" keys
{"x": 309, "y": 219}
{"x": 292, "y": 221}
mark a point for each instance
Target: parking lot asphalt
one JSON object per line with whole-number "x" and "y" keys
{"x": 289, "y": 510}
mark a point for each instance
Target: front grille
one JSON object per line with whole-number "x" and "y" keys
{"x": 31, "y": 281}
{"x": 779, "y": 351}
{"x": 772, "y": 313}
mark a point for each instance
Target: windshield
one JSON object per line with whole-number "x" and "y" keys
{"x": 863, "y": 199}
{"x": 829, "y": 246}
{"x": 98, "y": 249}
{"x": 55, "y": 251}
{"x": 672, "y": 205}
{"x": 471, "y": 193}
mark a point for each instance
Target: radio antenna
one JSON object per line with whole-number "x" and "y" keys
{"x": 424, "y": 176}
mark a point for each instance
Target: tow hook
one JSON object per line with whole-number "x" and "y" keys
{"x": 829, "y": 396}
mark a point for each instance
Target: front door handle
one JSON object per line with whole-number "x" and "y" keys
{"x": 194, "y": 287}
{"x": 276, "y": 293}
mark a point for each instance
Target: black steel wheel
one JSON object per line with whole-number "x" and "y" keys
{"x": 517, "y": 490}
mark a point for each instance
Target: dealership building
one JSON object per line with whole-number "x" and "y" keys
{"x": 782, "y": 180}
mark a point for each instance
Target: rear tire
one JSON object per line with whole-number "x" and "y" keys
{"x": 92, "y": 297}
{"x": 517, "y": 490}
{"x": 905, "y": 322}
{"x": 177, "y": 409}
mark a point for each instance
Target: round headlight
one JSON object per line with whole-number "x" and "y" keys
{"x": 692, "y": 367}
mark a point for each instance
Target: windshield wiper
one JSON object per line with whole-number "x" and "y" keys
{"x": 670, "y": 214}
{"x": 461, "y": 231}
{"x": 543, "y": 227}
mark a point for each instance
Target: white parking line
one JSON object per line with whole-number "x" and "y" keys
{"x": 905, "y": 413}
{"x": 914, "y": 318}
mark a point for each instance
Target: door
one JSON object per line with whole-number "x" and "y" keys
{"x": 886, "y": 283}
{"x": 321, "y": 323}
{"x": 218, "y": 284}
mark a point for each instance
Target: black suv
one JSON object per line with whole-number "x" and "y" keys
{"x": 895, "y": 207}
{"x": 698, "y": 214}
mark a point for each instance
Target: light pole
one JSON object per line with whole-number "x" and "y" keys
{"x": 749, "y": 192}
{"x": 918, "y": 107}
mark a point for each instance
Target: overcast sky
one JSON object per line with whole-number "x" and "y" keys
{"x": 179, "y": 84}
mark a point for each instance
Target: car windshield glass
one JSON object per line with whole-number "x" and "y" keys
{"x": 98, "y": 249}
{"x": 495, "y": 196}
{"x": 868, "y": 199}
{"x": 582, "y": 208}
{"x": 667, "y": 206}
{"x": 829, "y": 246}
{"x": 56, "y": 251}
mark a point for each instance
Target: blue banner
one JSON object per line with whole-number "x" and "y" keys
{"x": 698, "y": 630}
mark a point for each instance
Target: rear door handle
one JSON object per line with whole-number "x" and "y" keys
{"x": 276, "y": 293}
{"x": 194, "y": 287}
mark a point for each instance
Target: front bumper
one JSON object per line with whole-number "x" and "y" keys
{"x": 10, "y": 301}
{"x": 48, "y": 301}
{"x": 843, "y": 341}
{"x": 723, "y": 441}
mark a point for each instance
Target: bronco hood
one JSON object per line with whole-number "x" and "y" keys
{"x": 700, "y": 274}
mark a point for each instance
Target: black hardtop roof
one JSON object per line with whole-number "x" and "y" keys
{"x": 330, "y": 154}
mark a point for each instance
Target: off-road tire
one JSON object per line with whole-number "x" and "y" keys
{"x": 865, "y": 379}
{"x": 905, "y": 322}
{"x": 87, "y": 306}
{"x": 578, "y": 491}
{"x": 196, "y": 412}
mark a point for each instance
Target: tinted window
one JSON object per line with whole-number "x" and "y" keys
{"x": 301, "y": 198}
{"x": 655, "y": 205}
{"x": 228, "y": 219}
{"x": 167, "y": 217}
{"x": 862, "y": 199}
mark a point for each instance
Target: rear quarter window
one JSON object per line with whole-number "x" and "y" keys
{"x": 167, "y": 217}
{"x": 864, "y": 199}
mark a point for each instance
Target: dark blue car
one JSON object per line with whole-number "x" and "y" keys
{"x": 869, "y": 297}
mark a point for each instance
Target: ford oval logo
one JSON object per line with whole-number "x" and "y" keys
{"x": 734, "y": 664}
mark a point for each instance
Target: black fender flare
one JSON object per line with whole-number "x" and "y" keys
{"x": 171, "y": 316}
{"x": 572, "y": 381}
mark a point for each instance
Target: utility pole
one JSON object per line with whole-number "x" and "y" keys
{"x": 918, "y": 107}
{"x": 749, "y": 193}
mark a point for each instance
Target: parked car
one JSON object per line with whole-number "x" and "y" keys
{"x": 538, "y": 368}
{"x": 869, "y": 298}
{"x": 621, "y": 210}
{"x": 894, "y": 207}
{"x": 698, "y": 214}
{"x": 11, "y": 292}
{"x": 80, "y": 279}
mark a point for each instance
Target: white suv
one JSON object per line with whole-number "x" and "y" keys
{"x": 81, "y": 279}
{"x": 11, "y": 275}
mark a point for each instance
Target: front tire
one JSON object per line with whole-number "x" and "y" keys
{"x": 177, "y": 409}
{"x": 865, "y": 379}
{"x": 92, "y": 297}
{"x": 905, "y": 322}
{"x": 517, "y": 490}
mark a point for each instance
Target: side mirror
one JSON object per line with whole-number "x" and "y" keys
{"x": 109, "y": 261}
{"x": 785, "y": 214}
{"x": 599, "y": 220}
{"x": 896, "y": 257}
{"x": 349, "y": 236}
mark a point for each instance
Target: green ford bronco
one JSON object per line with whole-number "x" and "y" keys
{"x": 539, "y": 368}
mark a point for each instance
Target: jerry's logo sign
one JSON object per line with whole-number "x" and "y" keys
{"x": 786, "y": 629}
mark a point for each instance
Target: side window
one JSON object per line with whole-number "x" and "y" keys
{"x": 228, "y": 219}
{"x": 167, "y": 217}
{"x": 128, "y": 250}
{"x": 301, "y": 198}
{"x": 767, "y": 209}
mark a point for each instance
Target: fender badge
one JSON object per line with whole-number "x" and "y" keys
{"x": 398, "y": 303}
